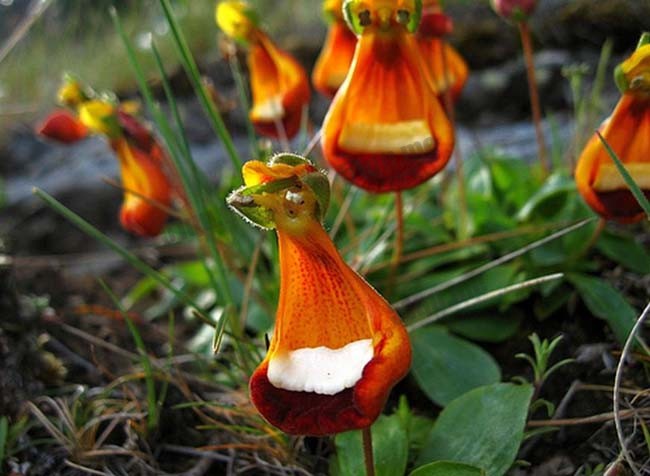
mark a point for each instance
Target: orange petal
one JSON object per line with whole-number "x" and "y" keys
{"x": 279, "y": 87}
{"x": 445, "y": 67}
{"x": 256, "y": 172}
{"x": 141, "y": 211}
{"x": 325, "y": 305}
{"x": 627, "y": 131}
{"x": 62, "y": 126}
{"x": 386, "y": 130}
{"x": 135, "y": 131}
{"x": 335, "y": 59}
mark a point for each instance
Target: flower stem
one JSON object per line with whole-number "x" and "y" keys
{"x": 399, "y": 234}
{"x": 526, "y": 43}
{"x": 367, "y": 452}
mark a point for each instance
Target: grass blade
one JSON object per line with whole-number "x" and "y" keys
{"x": 192, "y": 70}
{"x": 634, "y": 188}
{"x": 152, "y": 401}
{"x": 132, "y": 259}
{"x": 4, "y": 436}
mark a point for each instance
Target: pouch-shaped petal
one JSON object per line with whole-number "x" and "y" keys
{"x": 627, "y": 131}
{"x": 386, "y": 130}
{"x": 279, "y": 86}
{"x": 147, "y": 191}
{"x": 338, "y": 347}
{"x": 62, "y": 126}
{"x": 335, "y": 58}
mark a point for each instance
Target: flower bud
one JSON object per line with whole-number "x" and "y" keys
{"x": 516, "y": 10}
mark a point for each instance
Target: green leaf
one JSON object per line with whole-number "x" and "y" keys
{"x": 483, "y": 427}
{"x": 548, "y": 199}
{"x": 390, "y": 449}
{"x": 486, "y": 327}
{"x": 607, "y": 303}
{"x": 625, "y": 250}
{"x": 447, "y": 468}
{"x": 446, "y": 367}
{"x": 4, "y": 434}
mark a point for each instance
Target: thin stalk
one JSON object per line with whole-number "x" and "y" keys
{"x": 367, "y": 451}
{"x": 399, "y": 232}
{"x": 617, "y": 385}
{"x": 481, "y": 299}
{"x": 526, "y": 43}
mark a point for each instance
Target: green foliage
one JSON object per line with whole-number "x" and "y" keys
{"x": 543, "y": 349}
{"x": 390, "y": 449}
{"x": 607, "y": 303}
{"x": 446, "y": 367}
{"x": 482, "y": 428}
{"x": 447, "y": 468}
{"x": 4, "y": 435}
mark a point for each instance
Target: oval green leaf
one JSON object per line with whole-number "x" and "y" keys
{"x": 446, "y": 367}
{"x": 483, "y": 428}
{"x": 447, "y": 468}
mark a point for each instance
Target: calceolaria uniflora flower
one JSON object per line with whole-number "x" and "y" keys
{"x": 148, "y": 191}
{"x": 338, "y": 347}
{"x": 627, "y": 131}
{"x": 336, "y": 56}
{"x": 279, "y": 84}
{"x": 386, "y": 129}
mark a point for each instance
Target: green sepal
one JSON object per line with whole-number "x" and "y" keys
{"x": 621, "y": 81}
{"x": 245, "y": 206}
{"x": 414, "y": 20}
{"x": 319, "y": 184}
{"x": 352, "y": 20}
{"x": 644, "y": 40}
{"x": 243, "y": 203}
{"x": 355, "y": 24}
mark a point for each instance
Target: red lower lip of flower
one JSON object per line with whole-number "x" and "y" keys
{"x": 63, "y": 127}
{"x": 384, "y": 172}
{"x": 620, "y": 205}
{"x": 144, "y": 219}
{"x": 306, "y": 413}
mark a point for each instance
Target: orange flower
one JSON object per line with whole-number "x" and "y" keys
{"x": 279, "y": 84}
{"x": 336, "y": 56}
{"x": 146, "y": 190}
{"x": 445, "y": 67}
{"x": 62, "y": 126}
{"x": 386, "y": 130}
{"x": 338, "y": 347}
{"x": 627, "y": 131}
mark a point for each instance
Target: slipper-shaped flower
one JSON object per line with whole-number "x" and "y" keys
{"x": 338, "y": 347}
{"x": 627, "y": 131}
{"x": 279, "y": 84}
{"x": 386, "y": 129}
{"x": 335, "y": 58}
{"x": 147, "y": 193}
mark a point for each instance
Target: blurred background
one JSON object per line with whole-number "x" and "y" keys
{"x": 40, "y": 40}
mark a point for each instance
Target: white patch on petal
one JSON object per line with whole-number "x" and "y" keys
{"x": 609, "y": 179}
{"x": 404, "y": 137}
{"x": 269, "y": 110}
{"x": 320, "y": 369}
